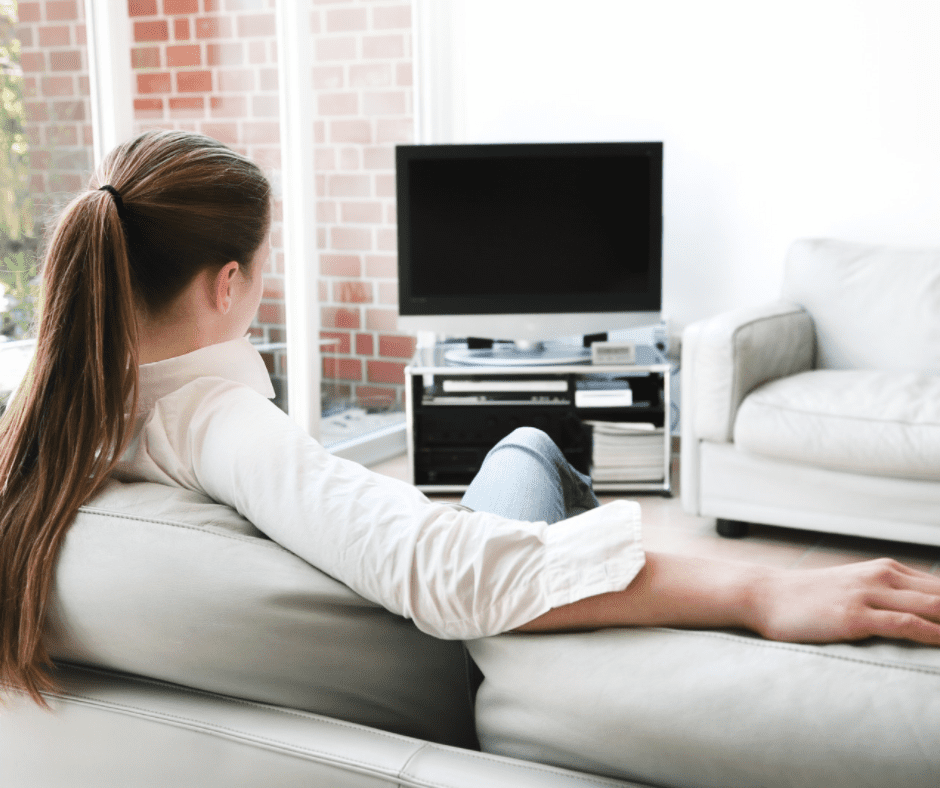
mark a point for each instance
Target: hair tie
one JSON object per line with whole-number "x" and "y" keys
{"x": 118, "y": 202}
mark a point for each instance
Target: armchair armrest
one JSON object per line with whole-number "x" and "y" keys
{"x": 726, "y": 357}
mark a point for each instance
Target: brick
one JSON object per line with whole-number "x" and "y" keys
{"x": 323, "y": 291}
{"x": 145, "y": 57}
{"x": 349, "y": 186}
{"x": 210, "y": 6}
{"x": 227, "y": 54}
{"x": 70, "y": 60}
{"x": 384, "y": 185}
{"x": 342, "y": 368}
{"x": 190, "y": 106}
{"x": 214, "y": 27}
{"x": 375, "y": 396}
{"x": 339, "y": 317}
{"x": 25, "y": 35}
{"x": 338, "y": 48}
{"x": 344, "y": 20}
{"x": 179, "y": 7}
{"x": 349, "y": 158}
{"x": 337, "y": 104}
{"x": 391, "y": 214}
{"x": 265, "y": 106}
{"x": 33, "y": 62}
{"x": 271, "y": 313}
{"x": 236, "y": 80}
{"x": 255, "y": 25}
{"x": 386, "y": 239}
{"x": 183, "y": 56}
{"x": 223, "y": 132}
{"x": 56, "y": 36}
{"x": 327, "y": 77}
{"x": 267, "y": 157}
{"x": 385, "y": 102}
{"x": 68, "y": 110}
{"x": 381, "y": 266}
{"x": 194, "y": 81}
{"x": 339, "y": 265}
{"x": 81, "y": 35}
{"x": 404, "y": 75}
{"x": 29, "y": 12}
{"x": 396, "y": 346}
{"x": 257, "y": 52}
{"x": 387, "y": 46}
{"x": 181, "y": 29}
{"x": 259, "y": 132}
{"x": 31, "y": 91}
{"x": 58, "y": 86}
{"x": 394, "y": 131}
{"x": 319, "y": 132}
{"x": 349, "y": 238}
{"x": 324, "y": 159}
{"x": 61, "y": 11}
{"x": 148, "y": 105}
{"x": 341, "y": 337}
{"x": 153, "y": 83}
{"x": 370, "y": 75}
{"x": 244, "y": 5}
{"x": 361, "y": 212}
{"x": 142, "y": 7}
{"x": 357, "y": 131}
{"x": 273, "y": 287}
{"x": 382, "y": 319}
{"x": 228, "y": 106}
{"x": 62, "y": 135}
{"x": 364, "y": 344}
{"x": 151, "y": 31}
{"x": 391, "y": 17}
{"x": 356, "y": 292}
{"x": 386, "y": 372}
{"x": 388, "y": 293}
{"x": 267, "y": 79}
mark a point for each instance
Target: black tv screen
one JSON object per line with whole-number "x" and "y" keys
{"x": 527, "y": 228}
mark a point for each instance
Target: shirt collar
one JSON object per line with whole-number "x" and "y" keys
{"x": 235, "y": 360}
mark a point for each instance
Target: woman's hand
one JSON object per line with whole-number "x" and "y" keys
{"x": 876, "y": 598}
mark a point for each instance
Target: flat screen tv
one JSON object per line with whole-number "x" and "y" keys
{"x": 529, "y": 241}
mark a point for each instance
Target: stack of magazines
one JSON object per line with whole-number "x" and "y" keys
{"x": 627, "y": 452}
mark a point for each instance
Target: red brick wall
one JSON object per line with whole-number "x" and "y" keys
{"x": 56, "y": 99}
{"x": 211, "y": 66}
{"x": 362, "y": 86}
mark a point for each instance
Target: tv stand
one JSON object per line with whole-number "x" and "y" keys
{"x": 456, "y": 412}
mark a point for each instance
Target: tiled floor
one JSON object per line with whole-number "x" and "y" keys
{"x": 667, "y": 528}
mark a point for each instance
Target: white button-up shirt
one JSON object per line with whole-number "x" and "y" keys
{"x": 205, "y": 423}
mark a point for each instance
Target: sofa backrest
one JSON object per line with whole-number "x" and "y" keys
{"x": 874, "y": 307}
{"x": 165, "y": 583}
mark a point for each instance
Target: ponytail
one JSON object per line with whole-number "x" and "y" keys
{"x": 115, "y": 253}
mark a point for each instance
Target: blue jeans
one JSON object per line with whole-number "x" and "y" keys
{"x": 526, "y": 477}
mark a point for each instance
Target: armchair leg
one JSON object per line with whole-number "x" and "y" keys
{"x": 731, "y": 529}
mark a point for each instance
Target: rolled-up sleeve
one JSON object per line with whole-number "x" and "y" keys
{"x": 457, "y": 574}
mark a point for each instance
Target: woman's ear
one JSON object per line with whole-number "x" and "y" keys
{"x": 223, "y": 287}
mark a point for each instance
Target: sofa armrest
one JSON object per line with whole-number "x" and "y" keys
{"x": 726, "y": 357}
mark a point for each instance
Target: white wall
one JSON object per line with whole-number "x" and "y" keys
{"x": 780, "y": 119}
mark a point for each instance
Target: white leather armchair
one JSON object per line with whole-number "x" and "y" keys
{"x": 821, "y": 410}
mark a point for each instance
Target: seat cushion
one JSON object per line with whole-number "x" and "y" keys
{"x": 874, "y": 307}
{"x": 165, "y": 583}
{"x": 714, "y": 709}
{"x": 874, "y": 423}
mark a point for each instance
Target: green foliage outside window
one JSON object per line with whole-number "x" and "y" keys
{"x": 18, "y": 244}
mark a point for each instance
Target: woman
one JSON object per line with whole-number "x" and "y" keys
{"x": 152, "y": 278}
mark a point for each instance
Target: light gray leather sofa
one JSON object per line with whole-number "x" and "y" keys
{"x": 821, "y": 410}
{"x": 195, "y": 652}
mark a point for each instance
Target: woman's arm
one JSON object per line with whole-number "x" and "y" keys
{"x": 851, "y": 602}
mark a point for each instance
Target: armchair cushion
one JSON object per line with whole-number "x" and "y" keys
{"x": 875, "y": 423}
{"x": 875, "y": 307}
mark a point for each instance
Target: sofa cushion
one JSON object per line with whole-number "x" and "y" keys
{"x": 165, "y": 583}
{"x": 874, "y": 423}
{"x": 875, "y": 307}
{"x": 714, "y": 709}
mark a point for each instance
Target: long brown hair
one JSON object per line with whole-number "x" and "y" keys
{"x": 181, "y": 203}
